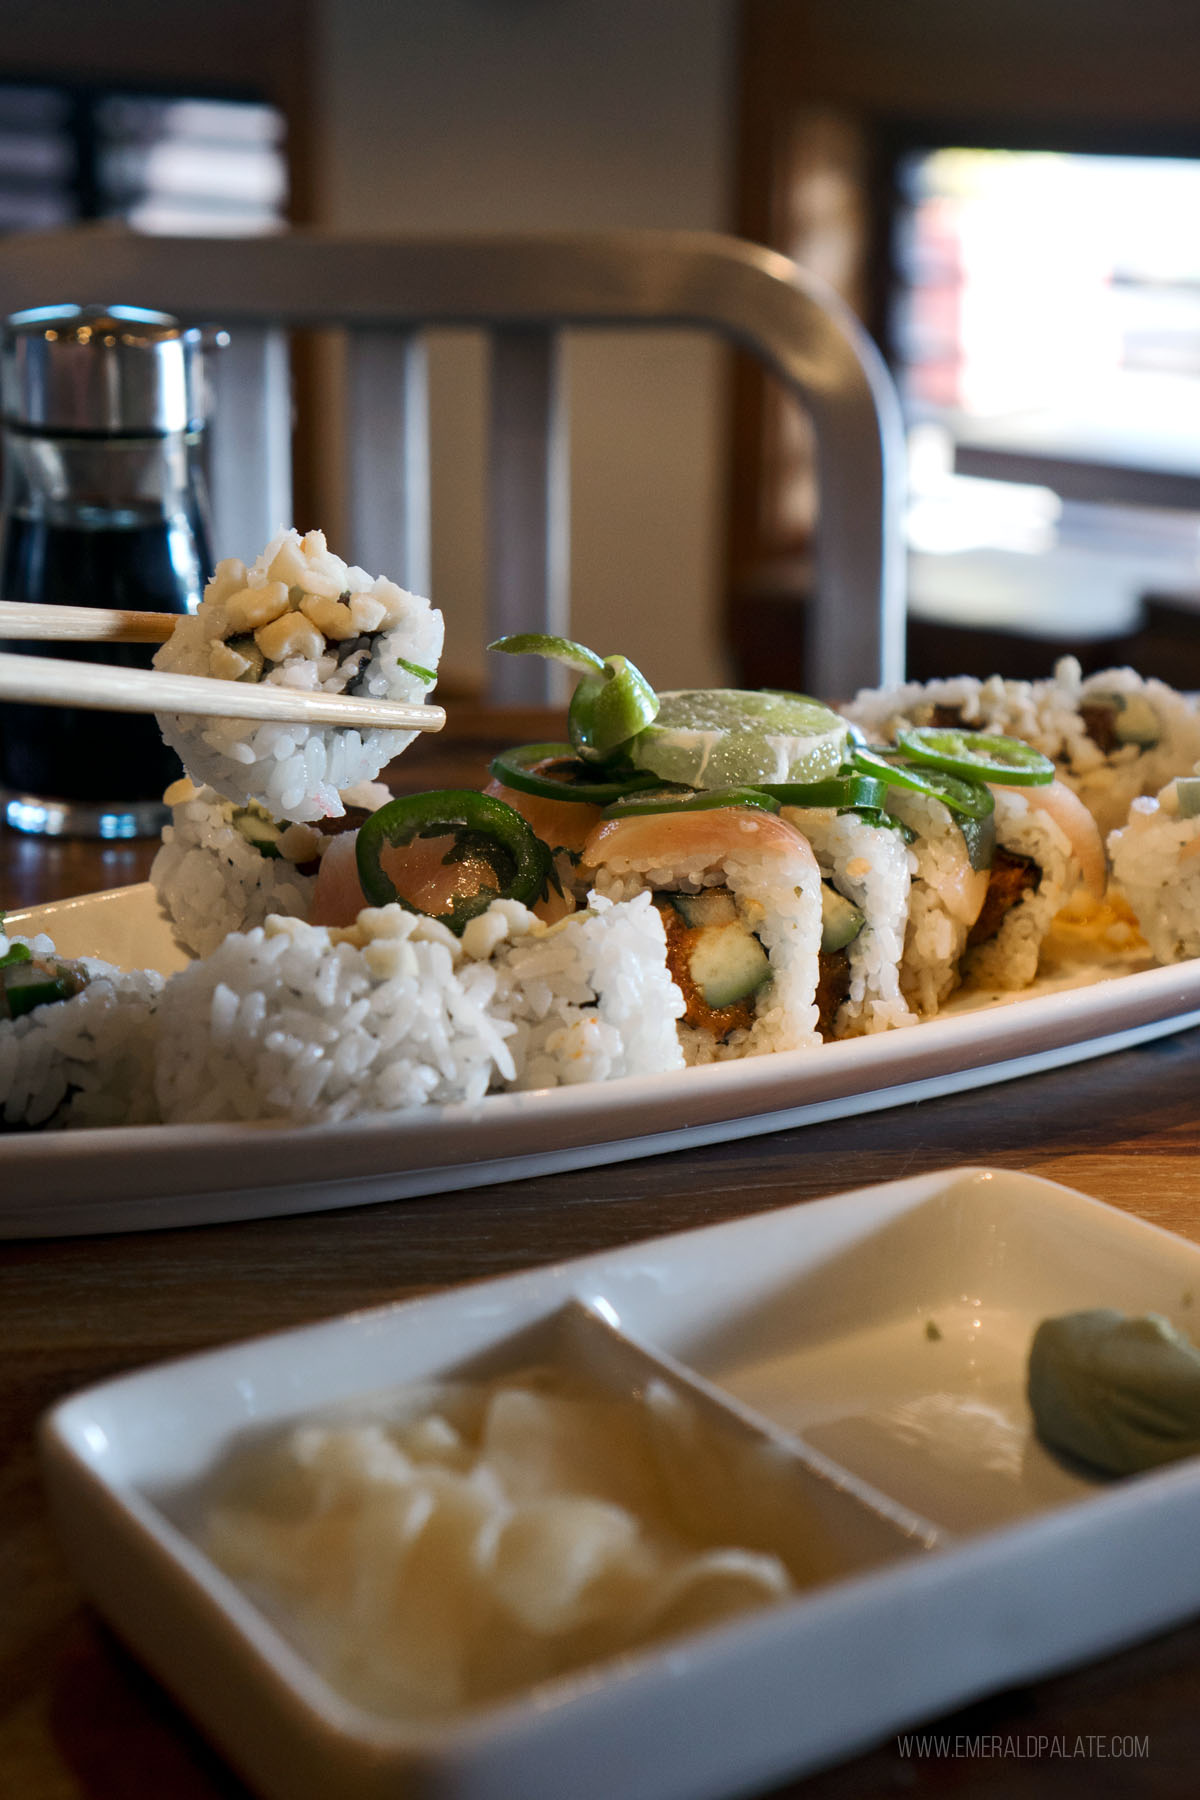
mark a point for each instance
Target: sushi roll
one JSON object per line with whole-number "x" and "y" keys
{"x": 946, "y": 897}
{"x": 1047, "y": 849}
{"x": 591, "y": 997}
{"x": 76, "y": 1039}
{"x": 290, "y": 1021}
{"x": 1113, "y": 736}
{"x": 1156, "y": 865}
{"x": 299, "y": 617}
{"x": 1116, "y": 737}
{"x": 301, "y": 1023}
{"x": 739, "y": 893}
{"x": 224, "y": 867}
{"x": 958, "y": 700}
{"x": 865, "y": 881}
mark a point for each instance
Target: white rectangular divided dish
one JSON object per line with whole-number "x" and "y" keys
{"x": 871, "y": 1347}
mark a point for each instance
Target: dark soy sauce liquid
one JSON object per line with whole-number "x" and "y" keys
{"x": 56, "y": 752}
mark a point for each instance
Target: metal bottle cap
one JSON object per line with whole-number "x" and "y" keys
{"x": 101, "y": 369}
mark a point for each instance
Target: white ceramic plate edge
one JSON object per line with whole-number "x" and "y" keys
{"x": 147, "y": 1177}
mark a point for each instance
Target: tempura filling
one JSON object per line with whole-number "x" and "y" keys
{"x": 715, "y": 960}
{"x": 1010, "y": 878}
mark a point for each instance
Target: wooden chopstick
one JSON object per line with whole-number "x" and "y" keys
{"x": 83, "y": 624}
{"x": 100, "y": 687}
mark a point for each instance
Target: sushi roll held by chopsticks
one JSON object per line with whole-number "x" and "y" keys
{"x": 299, "y": 618}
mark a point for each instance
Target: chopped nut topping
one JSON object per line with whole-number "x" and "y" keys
{"x": 292, "y": 635}
{"x": 289, "y": 566}
{"x": 390, "y": 958}
{"x": 367, "y": 613}
{"x": 393, "y": 599}
{"x": 255, "y": 606}
{"x": 227, "y": 663}
{"x": 230, "y": 575}
{"x": 329, "y": 616}
{"x": 300, "y": 844}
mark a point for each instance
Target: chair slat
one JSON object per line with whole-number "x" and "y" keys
{"x": 527, "y": 509}
{"x": 387, "y": 455}
{"x": 250, "y": 474}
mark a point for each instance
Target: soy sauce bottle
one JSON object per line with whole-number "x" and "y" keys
{"x": 103, "y": 505}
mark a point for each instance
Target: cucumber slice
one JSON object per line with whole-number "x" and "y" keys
{"x": 727, "y": 964}
{"x": 245, "y": 646}
{"x": 1187, "y": 795}
{"x": 30, "y": 986}
{"x": 1136, "y": 721}
{"x": 841, "y": 920}
{"x": 259, "y": 830}
{"x": 699, "y": 910}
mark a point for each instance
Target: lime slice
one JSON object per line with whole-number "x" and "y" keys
{"x": 728, "y": 737}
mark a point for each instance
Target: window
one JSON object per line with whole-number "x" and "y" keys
{"x": 1049, "y": 305}
{"x": 1045, "y": 330}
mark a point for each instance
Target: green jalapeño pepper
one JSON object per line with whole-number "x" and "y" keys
{"x": 976, "y": 755}
{"x": 479, "y": 824}
{"x": 612, "y": 702}
{"x": 556, "y": 772}
{"x": 685, "y": 799}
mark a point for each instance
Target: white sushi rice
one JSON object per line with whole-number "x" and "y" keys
{"x": 1156, "y": 864}
{"x": 301, "y": 1023}
{"x": 87, "y": 1060}
{"x": 298, "y": 771}
{"x": 869, "y": 865}
{"x": 291, "y": 1021}
{"x": 590, "y": 997}
{"x": 1009, "y": 959}
{"x": 943, "y": 903}
{"x": 784, "y": 916}
{"x": 211, "y": 879}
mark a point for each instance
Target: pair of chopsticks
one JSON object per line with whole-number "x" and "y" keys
{"x": 100, "y": 687}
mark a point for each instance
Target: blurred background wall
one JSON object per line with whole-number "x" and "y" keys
{"x": 573, "y": 115}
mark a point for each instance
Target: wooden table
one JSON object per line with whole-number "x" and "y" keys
{"x": 80, "y": 1721}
